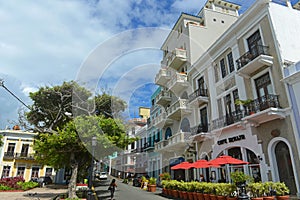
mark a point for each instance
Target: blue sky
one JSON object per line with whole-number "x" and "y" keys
{"x": 48, "y": 42}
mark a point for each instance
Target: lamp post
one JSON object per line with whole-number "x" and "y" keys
{"x": 90, "y": 184}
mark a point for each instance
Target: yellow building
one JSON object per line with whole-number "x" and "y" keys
{"x": 17, "y": 156}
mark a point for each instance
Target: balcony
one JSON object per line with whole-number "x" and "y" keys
{"x": 259, "y": 111}
{"x": 250, "y": 62}
{"x": 9, "y": 155}
{"x": 163, "y": 98}
{"x": 173, "y": 143}
{"x": 264, "y": 109}
{"x": 162, "y": 77}
{"x": 177, "y": 58}
{"x": 199, "y": 132}
{"x": 148, "y": 146}
{"x": 162, "y": 120}
{"x": 199, "y": 97}
{"x": 227, "y": 120}
{"x": 178, "y": 83}
{"x": 24, "y": 156}
{"x": 178, "y": 109}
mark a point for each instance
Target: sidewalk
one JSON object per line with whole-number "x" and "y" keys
{"x": 46, "y": 193}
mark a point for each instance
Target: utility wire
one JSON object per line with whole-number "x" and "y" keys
{"x": 2, "y": 85}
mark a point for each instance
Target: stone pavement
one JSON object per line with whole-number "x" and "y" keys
{"x": 48, "y": 192}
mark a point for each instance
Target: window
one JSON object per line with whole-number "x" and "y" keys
{"x": 24, "y": 151}
{"x": 5, "y": 171}
{"x": 219, "y": 102}
{"x": 21, "y": 171}
{"x": 48, "y": 172}
{"x": 230, "y": 62}
{"x": 254, "y": 44}
{"x": 35, "y": 172}
{"x": 235, "y": 94}
{"x": 11, "y": 148}
{"x": 217, "y": 75}
{"x": 223, "y": 67}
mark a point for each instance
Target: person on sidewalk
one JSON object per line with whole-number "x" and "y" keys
{"x": 112, "y": 187}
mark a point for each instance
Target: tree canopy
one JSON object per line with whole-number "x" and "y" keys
{"x": 67, "y": 117}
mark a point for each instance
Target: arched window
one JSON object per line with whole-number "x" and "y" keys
{"x": 168, "y": 133}
{"x": 185, "y": 125}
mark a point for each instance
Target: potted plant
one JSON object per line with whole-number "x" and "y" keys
{"x": 165, "y": 176}
{"x": 281, "y": 190}
{"x": 239, "y": 178}
{"x": 152, "y": 184}
{"x": 256, "y": 190}
{"x": 231, "y": 192}
{"x": 222, "y": 191}
{"x": 199, "y": 190}
{"x": 245, "y": 105}
{"x": 268, "y": 190}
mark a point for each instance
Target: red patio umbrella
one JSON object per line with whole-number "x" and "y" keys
{"x": 225, "y": 159}
{"x": 183, "y": 165}
{"x": 203, "y": 164}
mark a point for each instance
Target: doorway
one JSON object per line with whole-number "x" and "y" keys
{"x": 284, "y": 165}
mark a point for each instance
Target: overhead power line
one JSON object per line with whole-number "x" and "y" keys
{"x": 2, "y": 85}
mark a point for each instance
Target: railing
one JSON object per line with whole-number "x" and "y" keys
{"x": 178, "y": 137}
{"x": 257, "y": 105}
{"x": 12, "y": 155}
{"x": 249, "y": 56}
{"x": 198, "y": 93}
{"x": 181, "y": 103}
{"x": 227, "y": 120}
{"x": 199, "y": 129}
{"x": 263, "y": 103}
{"x": 177, "y": 77}
{"x": 9, "y": 154}
{"x": 177, "y": 53}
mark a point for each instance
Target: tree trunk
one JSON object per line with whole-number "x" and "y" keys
{"x": 73, "y": 179}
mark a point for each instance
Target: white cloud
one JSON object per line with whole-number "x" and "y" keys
{"x": 48, "y": 42}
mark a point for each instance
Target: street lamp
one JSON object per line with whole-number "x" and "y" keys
{"x": 94, "y": 144}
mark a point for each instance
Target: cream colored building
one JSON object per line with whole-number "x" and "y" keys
{"x": 244, "y": 61}
{"x": 17, "y": 156}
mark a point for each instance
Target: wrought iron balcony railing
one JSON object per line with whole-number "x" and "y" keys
{"x": 249, "y": 56}
{"x": 198, "y": 93}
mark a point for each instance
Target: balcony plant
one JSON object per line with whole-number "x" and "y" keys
{"x": 245, "y": 105}
{"x": 282, "y": 191}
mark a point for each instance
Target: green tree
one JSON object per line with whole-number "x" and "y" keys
{"x": 63, "y": 140}
{"x": 52, "y": 106}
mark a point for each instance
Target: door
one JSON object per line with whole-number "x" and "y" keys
{"x": 284, "y": 165}
{"x": 201, "y": 87}
{"x": 263, "y": 89}
{"x": 203, "y": 120}
{"x": 255, "y": 44}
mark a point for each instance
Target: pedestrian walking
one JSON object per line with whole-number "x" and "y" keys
{"x": 112, "y": 188}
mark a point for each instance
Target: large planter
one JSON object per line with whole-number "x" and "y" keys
{"x": 200, "y": 196}
{"x": 285, "y": 197}
{"x": 195, "y": 197}
{"x": 152, "y": 188}
{"x": 185, "y": 195}
{"x": 206, "y": 196}
{"x": 175, "y": 194}
{"x": 180, "y": 194}
{"x": 269, "y": 198}
{"x": 232, "y": 198}
{"x": 190, "y": 196}
{"x": 213, "y": 197}
{"x": 257, "y": 198}
{"x": 221, "y": 197}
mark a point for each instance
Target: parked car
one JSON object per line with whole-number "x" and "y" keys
{"x": 102, "y": 176}
{"x": 137, "y": 181}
